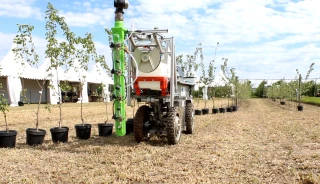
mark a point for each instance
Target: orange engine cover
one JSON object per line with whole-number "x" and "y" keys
{"x": 163, "y": 84}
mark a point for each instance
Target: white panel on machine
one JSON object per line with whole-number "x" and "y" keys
{"x": 153, "y": 85}
{"x": 147, "y": 60}
{"x": 151, "y": 63}
{"x": 183, "y": 91}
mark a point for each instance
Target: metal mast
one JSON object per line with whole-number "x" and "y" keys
{"x": 118, "y": 70}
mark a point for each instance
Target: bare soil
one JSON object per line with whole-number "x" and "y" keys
{"x": 262, "y": 142}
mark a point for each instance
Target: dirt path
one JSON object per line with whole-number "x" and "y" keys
{"x": 262, "y": 142}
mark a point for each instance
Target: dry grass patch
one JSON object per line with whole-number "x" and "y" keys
{"x": 262, "y": 142}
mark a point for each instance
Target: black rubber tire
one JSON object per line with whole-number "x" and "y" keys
{"x": 173, "y": 126}
{"x": 138, "y": 122}
{"x": 189, "y": 118}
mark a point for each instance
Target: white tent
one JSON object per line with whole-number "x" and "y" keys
{"x": 19, "y": 67}
{"x": 14, "y": 74}
{"x": 99, "y": 76}
{"x": 77, "y": 74}
{"x": 220, "y": 80}
{"x": 52, "y": 75}
{"x": 13, "y": 70}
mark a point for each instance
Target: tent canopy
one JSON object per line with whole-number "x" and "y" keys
{"x": 18, "y": 68}
{"x": 14, "y": 69}
{"x": 99, "y": 75}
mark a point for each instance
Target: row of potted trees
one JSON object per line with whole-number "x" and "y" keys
{"x": 234, "y": 89}
{"x": 34, "y": 138}
{"x": 292, "y": 91}
{"x": 61, "y": 54}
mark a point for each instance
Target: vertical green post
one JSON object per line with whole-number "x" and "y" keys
{"x": 118, "y": 34}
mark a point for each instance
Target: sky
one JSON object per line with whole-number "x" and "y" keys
{"x": 262, "y": 39}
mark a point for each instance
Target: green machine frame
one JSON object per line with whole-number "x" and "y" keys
{"x": 118, "y": 70}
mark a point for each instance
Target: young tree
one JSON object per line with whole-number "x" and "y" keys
{"x": 4, "y": 108}
{"x": 304, "y": 86}
{"x": 59, "y": 53}
{"x": 84, "y": 53}
{"x": 25, "y": 51}
{"x": 229, "y": 78}
{"x": 208, "y": 76}
{"x": 260, "y": 91}
{"x": 190, "y": 65}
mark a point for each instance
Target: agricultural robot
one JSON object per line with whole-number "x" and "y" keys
{"x": 152, "y": 78}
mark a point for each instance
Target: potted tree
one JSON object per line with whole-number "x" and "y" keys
{"x": 301, "y": 86}
{"x": 282, "y": 92}
{"x": 214, "y": 109}
{"x": 84, "y": 54}
{"x": 105, "y": 129}
{"x": 221, "y": 109}
{"x": 59, "y": 54}
{"x": 229, "y": 78}
{"x": 207, "y": 78}
{"x": 236, "y": 93}
{"x": 7, "y": 137}
{"x": 189, "y": 67}
{"x": 25, "y": 50}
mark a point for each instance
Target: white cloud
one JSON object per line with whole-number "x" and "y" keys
{"x": 259, "y": 34}
{"x": 40, "y": 47}
{"x": 92, "y": 17}
{"x": 6, "y": 42}
{"x": 265, "y": 38}
{"x": 19, "y": 9}
{"x": 169, "y": 6}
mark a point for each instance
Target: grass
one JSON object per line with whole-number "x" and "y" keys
{"x": 311, "y": 100}
{"x": 263, "y": 142}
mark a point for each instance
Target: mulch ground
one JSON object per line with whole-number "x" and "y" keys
{"x": 262, "y": 142}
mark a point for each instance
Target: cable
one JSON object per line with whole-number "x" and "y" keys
{"x": 132, "y": 28}
{"x": 125, "y": 98}
{"x": 137, "y": 69}
{"x": 113, "y": 107}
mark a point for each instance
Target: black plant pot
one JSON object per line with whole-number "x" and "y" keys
{"x": 20, "y": 103}
{"x": 59, "y": 134}
{"x": 83, "y": 131}
{"x": 229, "y": 109}
{"x": 8, "y": 139}
{"x": 283, "y": 103}
{"x": 234, "y": 108}
{"x": 300, "y": 108}
{"x": 215, "y": 111}
{"x": 34, "y": 137}
{"x": 205, "y": 111}
{"x": 105, "y": 129}
{"x": 197, "y": 112}
{"x": 129, "y": 126}
{"x": 222, "y": 110}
